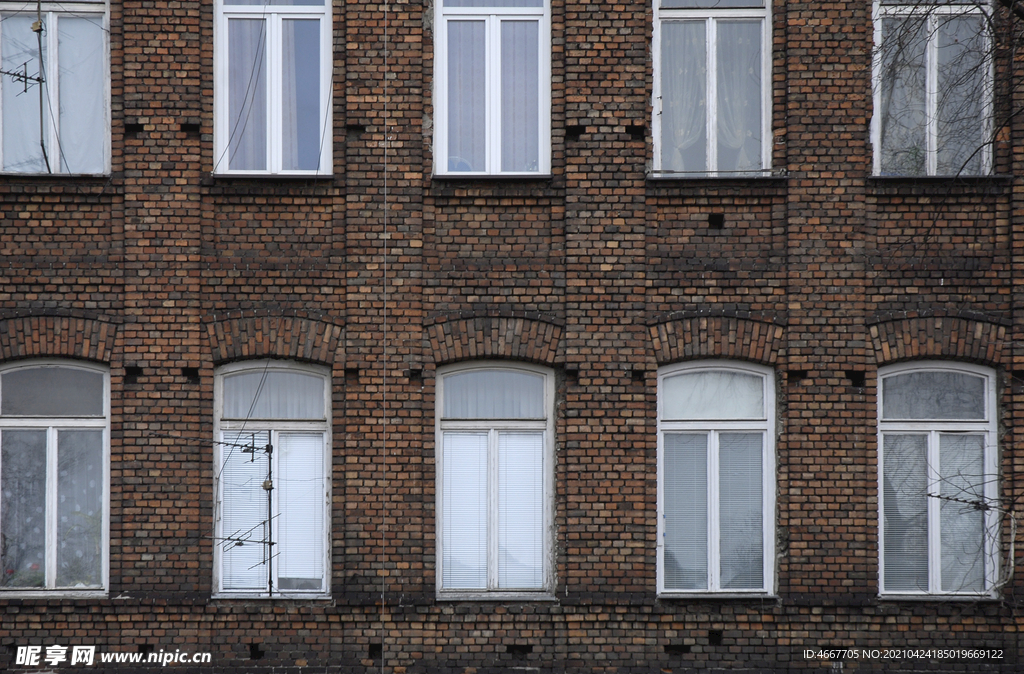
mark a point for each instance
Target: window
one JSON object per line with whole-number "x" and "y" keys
{"x": 933, "y": 89}
{"x": 273, "y": 74}
{"x": 273, "y": 463}
{"x": 494, "y": 440}
{"x": 711, "y": 79}
{"x": 937, "y": 434}
{"x": 716, "y": 479}
{"x": 54, "y": 439}
{"x": 493, "y": 99}
{"x": 62, "y": 75}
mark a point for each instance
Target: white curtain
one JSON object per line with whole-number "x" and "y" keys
{"x": 739, "y": 95}
{"x": 713, "y": 394}
{"x": 273, "y": 395}
{"x": 962, "y": 85}
{"x": 520, "y": 130}
{"x": 466, "y": 96}
{"x": 903, "y": 83}
{"x": 245, "y": 513}
{"x": 464, "y": 512}
{"x": 685, "y": 494}
{"x": 79, "y": 508}
{"x": 494, "y": 394}
{"x": 301, "y": 494}
{"x": 741, "y": 518}
{"x": 933, "y": 395}
{"x": 683, "y": 96}
{"x": 20, "y": 53}
{"x": 301, "y": 94}
{"x": 83, "y": 127}
{"x": 23, "y": 508}
{"x": 521, "y": 511}
{"x": 962, "y": 526}
{"x": 247, "y": 94}
{"x": 905, "y": 511}
{"x": 51, "y": 392}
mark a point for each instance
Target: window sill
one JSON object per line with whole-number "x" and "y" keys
{"x": 283, "y": 596}
{"x": 683, "y": 176}
{"x": 939, "y": 597}
{"x": 495, "y": 596}
{"x": 52, "y": 594}
{"x": 267, "y": 176}
{"x": 491, "y": 176}
{"x": 704, "y": 596}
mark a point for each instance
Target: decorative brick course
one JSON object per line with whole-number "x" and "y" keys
{"x": 524, "y": 339}
{"x": 274, "y": 337}
{"x": 717, "y": 337}
{"x": 57, "y": 336}
{"x": 939, "y": 337}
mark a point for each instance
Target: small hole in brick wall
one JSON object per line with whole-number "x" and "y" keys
{"x": 574, "y": 131}
{"x": 145, "y": 649}
{"x": 796, "y": 376}
{"x": 191, "y": 128}
{"x": 639, "y": 376}
{"x": 132, "y": 374}
{"x": 132, "y": 129}
{"x": 1018, "y": 377}
{"x": 519, "y": 649}
{"x": 637, "y": 132}
{"x": 415, "y": 375}
{"x": 714, "y": 637}
{"x": 191, "y": 374}
{"x": 353, "y": 131}
{"x": 856, "y": 378}
{"x": 352, "y": 373}
{"x": 676, "y": 649}
{"x": 572, "y": 376}
{"x": 375, "y": 651}
{"x": 255, "y": 652}
{"x": 716, "y": 220}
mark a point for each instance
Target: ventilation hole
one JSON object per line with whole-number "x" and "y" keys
{"x": 415, "y": 375}
{"x": 714, "y": 637}
{"x": 1018, "y": 375}
{"x": 574, "y": 131}
{"x": 132, "y": 374}
{"x": 639, "y": 376}
{"x": 353, "y": 131}
{"x": 796, "y": 376}
{"x": 375, "y": 651}
{"x": 255, "y": 652}
{"x": 856, "y": 378}
{"x": 637, "y": 132}
{"x": 716, "y": 220}
{"x": 145, "y": 649}
{"x": 191, "y": 374}
{"x": 572, "y": 376}
{"x": 519, "y": 649}
{"x": 133, "y": 129}
{"x": 352, "y": 373}
{"x": 192, "y": 129}
{"x": 676, "y": 649}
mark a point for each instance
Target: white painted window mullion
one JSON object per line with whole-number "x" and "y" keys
{"x": 934, "y": 514}
{"x": 714, "y": 521}
{"x": 932, "y": 94}
{"x": 711, "y": 86}
{"x": 492, "y": 509}
{"x": 492, "y": 105}
{"x": 50, "y": 553}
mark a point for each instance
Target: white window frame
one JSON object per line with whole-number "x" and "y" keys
{"x": 51, "y": 16}
{"x": 933, "y": 428}
{"x": 492, "y": 16}
{"x": 711, "y": 17}
{"x": 274, "y": 427}
{"x": 713, "y": 427}
{"x": 274, "y": 15}
{"x": 52, "y": 426}
{"x": 493, "y": 427}
{"x": 932, "y": 12}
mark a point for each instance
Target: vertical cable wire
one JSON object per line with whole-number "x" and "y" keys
{"x": 384, "y": 358}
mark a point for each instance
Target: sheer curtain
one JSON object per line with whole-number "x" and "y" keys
{"x": 739, "y": 95}
{"x": 466, "y": 96}
{"x": 82, "y": 87}
{"x": 273, "y": 395}
{"x": 23, "y": 508}
{"x": 79, "y": 508}
{"x": 683, "y": 96}
{"x": 494, "y": 394}
{"x": 520, "y": 127}
{"x": 247, "y": 94}
{"x": 20, "y": 107}
{"x": 713, "y": 394}
{"x": 903, "y": 82}
{"x": 741, "y": 518}
{"x": 300, "y": 99}
{"x": 962, "y": 79}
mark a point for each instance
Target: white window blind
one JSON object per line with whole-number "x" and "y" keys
{"x": 465, "y": 510}
{"x": 520, "y": 510}
{"x": 245, "y": 511}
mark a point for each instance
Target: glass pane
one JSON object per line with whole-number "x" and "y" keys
{"x": 962, "y": 474}
{"x": 21, "y": 104}
{"x": 493, "y": 3}
{"x": 51, "y": 392}
{"x": 933, "y": 395}
{"x": 79, "y": 508}
{"x": 494, "y": 394}
{"x": 302, "y": 129}
{"x": 273, "y": 394}
{"x": 464, "y": 511}
{"x": 713, "y": 394}
{"x": 711, "y": 4}
{"x": 905, "y": 511}
{"x": 467, "y": 96}
{"x": 741, "y": 511}
{"x": 963, "y": 90}
{"x": 83, "y": 123}
{"x": 520, "y": 126}
{"x": 903, "y": 85}
{"x": 247, "y": 94}
{"x": 23, "y": 508}
{"x": 521, "y": 511}
{"x": 272, "y": 3}
{"x": 301, "y": 495}
{"x": 683, "y": 96}
{"x": 739, "y": 95}
{"x": 245, "y": 523}
{"x": 685, "y": 490}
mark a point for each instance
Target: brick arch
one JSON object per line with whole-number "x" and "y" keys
{"x": 938, "y": 337}
{"x": 61, "y": 336}
{"x": 716, "y": 337}
{"x": 273, "y": 337}
{"x": 525, "y": 339}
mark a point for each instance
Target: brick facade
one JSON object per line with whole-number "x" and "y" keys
{"x": 381, "y": 273}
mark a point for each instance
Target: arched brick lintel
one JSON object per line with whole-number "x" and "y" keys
{"x": 716, "y": 337}
{"x": 57, "y": 336}
{"x": 524, "y": 339}
{"x": 273, "y": 337}
{"x": 938, "y": 337}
